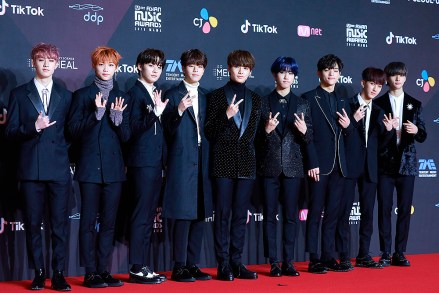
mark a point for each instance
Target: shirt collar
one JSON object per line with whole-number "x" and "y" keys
{"x": 41, "y": 87}
{"x": 362, "y": 102}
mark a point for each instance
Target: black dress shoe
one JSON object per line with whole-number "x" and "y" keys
{"x": 225, "y": 273}
{"x": 198, "y": 274}
{"x": 385, "y": 259}
{"x": 367, "y": 262}
{"x": 39, "y": 281}
{"x": 333, "y": 265}
{"x": 94, "y": 280}
{"x": 398, "y": 259}
{"x": 145, "y": 276}
{"x": 160, "y": 276}
{"x": 288, "y": 269}
{"x": 59, "y": 283}
{"x": 275, "y": 270}
{"x": 182, "y": 274}
{"x": 111, "y": 282}
{"x": 241, "y": 272}
{"x": 347, "y": 263}
{"x": 316, "y": 267}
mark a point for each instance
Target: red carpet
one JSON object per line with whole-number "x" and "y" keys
{"x": 421, "y": 277}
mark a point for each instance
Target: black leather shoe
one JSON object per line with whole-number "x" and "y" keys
{"x": 145, "y": 276}
{"x": 317, "y": 268}
{"x": 94, "y": 280}
{"x": 347, "y": 263}
{"x": 59, "y": 283}
{"x": 275, "y": 270}
{"x": 288, "y": 269}
{"x": 160, "y": 276}
{"x": 241, "y": 272}
{"x": 39, "y": 281}
{"x": 182, "y": 274}
{"x": 385, "y": 259}
{"x": 333, "y": 265}
{"x": 111, "y": 282}
{"x": 367, "y": 262}
{"x": 225, "y": 273}
{"x": 198, "y": 274}
{"x": 398, "y": 259}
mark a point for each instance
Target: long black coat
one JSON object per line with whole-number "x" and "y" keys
{"x": 181, "y": 198}
{"x": 233, "y": 149}
{"x": 402, "y": 159}
{"x": 99, "y": 142}
{"x": 281, "y": 150}
{"x": 42, "y": 155}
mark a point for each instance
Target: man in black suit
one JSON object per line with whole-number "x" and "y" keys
{"x": 281, "y": 142}
{"x": 37, "y": 120}
{"x": 188, "y": 193}
{"x": 398, "y": 164}
{"x": 233, "y": 115}
{"x": 373, "y": 129}
{"x": 326, "y": 163}
{"x": 145, "y": 159}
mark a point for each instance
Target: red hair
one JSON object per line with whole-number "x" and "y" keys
{"x": 104, "y": 54}
{"x": 42, "y": 50}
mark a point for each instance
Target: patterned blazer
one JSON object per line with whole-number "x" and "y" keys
{"x": 401, "y": 159}
{"x": 232, "y": 140}
{"x": 281, "y": 150}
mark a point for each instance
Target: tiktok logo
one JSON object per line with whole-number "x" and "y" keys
{"x": 3, "y": 7}
{"x": 244, "y": 27}
{"x": 3, "y": 117}
{"x": 2, "y": 225}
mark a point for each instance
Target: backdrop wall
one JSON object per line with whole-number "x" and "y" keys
{"x": 362, "y": 33}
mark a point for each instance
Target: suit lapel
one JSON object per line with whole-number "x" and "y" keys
{"x": 55, "y": 98}
{"x": 183, "y": 91}
{"x": 247, "y": 111}
{"x": 275, "y": 108}
{"x": 34, "y": 97}
{"x": 324, "y": 107}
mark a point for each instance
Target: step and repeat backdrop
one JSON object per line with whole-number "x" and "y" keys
{"x": 362, "y": 33}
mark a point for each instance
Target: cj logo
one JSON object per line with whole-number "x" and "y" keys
{"x": 3, "y": 7}
{"x": 206, "y": 21}
{"x": 426, "y": 82}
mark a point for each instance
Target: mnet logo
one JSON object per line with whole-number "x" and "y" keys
{"x": 174, "y": 70}
{"x": 427, "y": 168}
{"x": 400, "y": 40}
{"x": 258, "y": 28}
{"x": 356, "y": 35}
{"x": 206, "y": 21}
{"x": 90, "y": 17}
{"x": 426, "y": 82}
{"x": 306, "y": 31}
{"x": 355, "y": 215}
{"x": 303, "y": 215}
{"x": 148, "y": 18}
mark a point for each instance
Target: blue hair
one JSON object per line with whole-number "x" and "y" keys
{"x": 285, "y": 64}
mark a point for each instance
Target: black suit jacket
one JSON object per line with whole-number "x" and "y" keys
{"x": 181, "y": 198}
{"x": 360, "y": 157}
{"x": 328, "y": 142}
{"x": 42, "y": 155}
{"x": 233, "y": 148}
{"x": 281, "y": 150}
{"x": 402, "y": 159}
{"x": 147, "y": 146}
{"x": 99, "y": 158}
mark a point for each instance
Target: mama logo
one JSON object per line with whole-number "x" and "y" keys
{"x": 206, "y": 21}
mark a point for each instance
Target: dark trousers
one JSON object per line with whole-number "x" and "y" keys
{"x": 404, "y": 195}
{"x": 96, "y": 241}
{"x": 285, "y": 191}
{"x": 145, "y": 185}
{"x": 232, "y": 197}
{"x": 188, "y": 237}
{"x": 367, "y": 192}
{"x": 34, "y": 193}
{"x": 325, "y": 195}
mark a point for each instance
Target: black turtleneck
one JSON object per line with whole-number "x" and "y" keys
{"x": 239, "y": 90}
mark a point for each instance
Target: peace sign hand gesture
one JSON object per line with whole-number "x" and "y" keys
{"x": 343, "y": 119}
{"x": 233, "y": 109}
{"x": 185, "y": 103}
{"x": 271, "y": 124}
{"x": 300, "y": 123}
